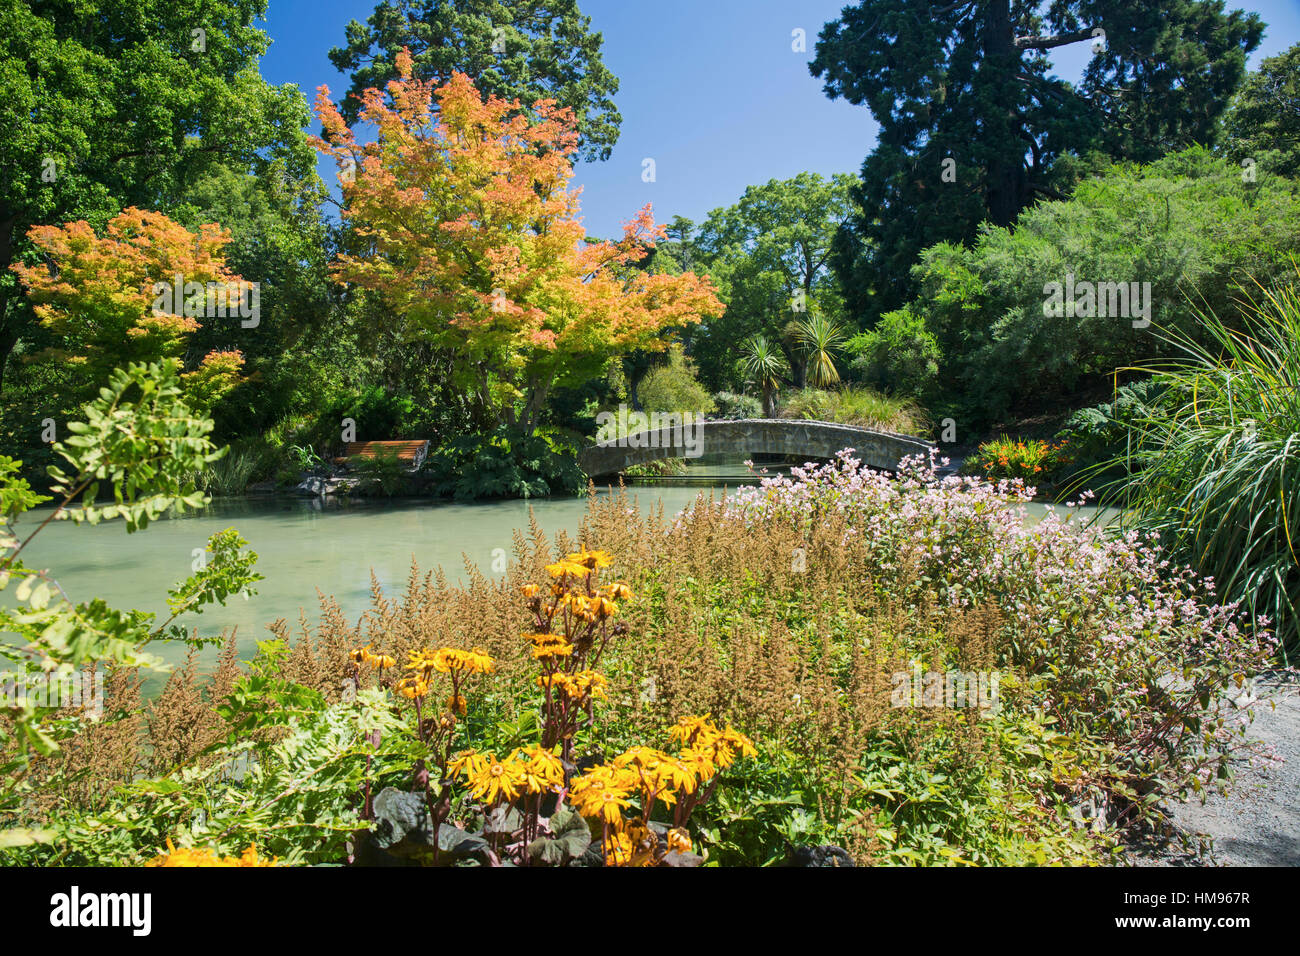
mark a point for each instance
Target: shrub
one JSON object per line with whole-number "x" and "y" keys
{"x": 899, "y": 355}
{"x": 505, "y": 464}
{"x": 247, "y": 461}
{"x": 383, "y": 473}
{"x": 857, "y": 406}
{"x": 1133, "y": 661}
{"x": 733, "y": 406}
{"x": 1097, "y": 436}
{"x": 1028, "y": 460}
{"x": 380, "y": 415}
{"x": 664, "y": 467}
{"x": 673, "y": 387}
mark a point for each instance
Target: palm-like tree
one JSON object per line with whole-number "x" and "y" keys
{"x": 820, "y": 336}
{"x": 766, "y": 364}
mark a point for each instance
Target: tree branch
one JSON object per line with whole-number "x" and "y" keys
{"x": 1048, "y": 192}
{"x": 1047, "y": 43}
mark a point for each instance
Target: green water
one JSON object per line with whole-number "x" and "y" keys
{"x": 305, "y": 544}
{"x": 302, "y": 545}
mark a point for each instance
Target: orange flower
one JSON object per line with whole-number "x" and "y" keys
{"x": 203, "y": 856}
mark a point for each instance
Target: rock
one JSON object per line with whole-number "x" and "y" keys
{"x": 825, "y": 855}
{"x": 317, "y": 487}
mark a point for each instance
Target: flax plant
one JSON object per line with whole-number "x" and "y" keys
{"x": 766, "y": 367}
{"x": 821, "y": 337}
{"x": 1215, "y": 469}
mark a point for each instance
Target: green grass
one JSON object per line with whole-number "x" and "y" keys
{"x": 231, "y": 474}
{"x": 858, "y": 406}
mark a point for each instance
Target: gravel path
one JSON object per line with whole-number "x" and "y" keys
{"x": 1258, "y": 822}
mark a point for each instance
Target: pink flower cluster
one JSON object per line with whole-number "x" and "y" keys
{"x": 1116, "y": 642}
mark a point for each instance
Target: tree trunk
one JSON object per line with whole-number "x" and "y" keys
{"x": 8, "y": 340}
{"x": 8, "y": 329}
{"x": 537, "y": 394}
{"x": 1007, "y": 182}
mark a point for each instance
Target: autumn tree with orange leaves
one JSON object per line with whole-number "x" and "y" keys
{"x": 99, "y": 294}
{"x": 464, "y": 223}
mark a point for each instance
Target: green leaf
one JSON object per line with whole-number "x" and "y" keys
{"x": 23, "y": 836}
{"x": 569, "y": 840}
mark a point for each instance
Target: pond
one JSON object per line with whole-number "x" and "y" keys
{"x": 304, "y": 544}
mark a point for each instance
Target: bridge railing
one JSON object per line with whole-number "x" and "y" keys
{"x": 781, "y": 436}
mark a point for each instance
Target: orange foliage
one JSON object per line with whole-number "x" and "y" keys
{"x": 470, "y": 231}
{"x": 100, "y": 294}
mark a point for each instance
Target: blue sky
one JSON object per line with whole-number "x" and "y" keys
{"x": 709, "y": 89}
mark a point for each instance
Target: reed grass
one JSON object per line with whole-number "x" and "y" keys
{"x": 1214, "y": 469}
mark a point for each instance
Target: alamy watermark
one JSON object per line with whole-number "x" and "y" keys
{"x": 212, "y": 300}
{"x": 73, "y": 909}
{"x": 951, "y": 689}
{"x": 632, "y": 429}
{"x": 1086, "y": 300}
{"x": 53, "y": 691}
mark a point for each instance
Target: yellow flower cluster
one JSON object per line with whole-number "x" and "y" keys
{"x": 606, "y": 791}
{"x": 549, "y": 646}
{"x": 586, "y": 608}
{"x": 443, "y": 661}
{"x": 707, "y": 747}
{"x": 526, "y": 770}
{"x": 413, "y": 687}
{"x": 448, "y": 659}
{"x": 363, "y": 655}
{"x": 617, "y": 592}
{"x": 637, "y": 845}
{"x": 575, "y": 686}
{"x": 204, "y": 856}
{"x": 579, "y": 564}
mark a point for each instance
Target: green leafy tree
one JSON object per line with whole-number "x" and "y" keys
{"x": 1180, "y": 232}
{"x": 525, "y": 50}
{"x": 899, "y": 355}
{"x": 972, "y": 121}
{"x": 304, "y": 348}
{"x": 770, "y": 256}
{"x": 118, "y": 104}
{"x": 1263, "y": 123}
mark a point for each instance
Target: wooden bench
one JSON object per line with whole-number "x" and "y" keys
{"x": 411, "y": 453}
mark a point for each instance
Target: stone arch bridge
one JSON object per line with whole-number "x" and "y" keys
{"x": 806, "y": 439}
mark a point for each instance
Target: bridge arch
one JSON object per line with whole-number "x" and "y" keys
{"x": 773, "y": 436}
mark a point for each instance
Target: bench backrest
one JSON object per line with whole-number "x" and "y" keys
{"x": 409, "y": 451}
